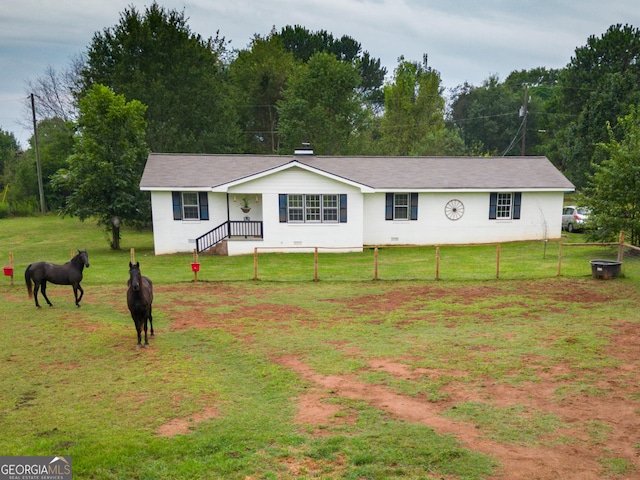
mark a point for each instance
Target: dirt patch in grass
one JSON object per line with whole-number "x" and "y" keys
{"x": 182, "y": 426}
{"x": 573, "y": 461}
{"x": 572, "y": 451}
{"x": 197, "y": 316}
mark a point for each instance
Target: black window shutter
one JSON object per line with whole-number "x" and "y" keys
{"x": 493, "y": 206}
{"x": 388, "y": 212}
{"x": 343, "y": 208}
{"x": 414, "y": 207}
{"x": 282, "y": 199}
{"x": 177, "y": 205}
{"x": 204, "y": 205}
{"x": 517, "y": 203}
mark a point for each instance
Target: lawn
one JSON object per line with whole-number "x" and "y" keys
{"x": 465, "y": 377}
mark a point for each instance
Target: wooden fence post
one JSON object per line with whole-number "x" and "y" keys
{"x": 195, "y": 266}
{"x": 315, "y": 264}
{"x": 133, "y": 255}
{"x": 437, "y": 263}
{"x": 621, "y": 247}
{"x": 560, "y": 259}
{"x": 375, "y": 264}
{"x": 255, "y": 263}
{"x": 11, "y": 265}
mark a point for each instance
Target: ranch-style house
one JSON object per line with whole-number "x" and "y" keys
{"x": 232, "y": 204}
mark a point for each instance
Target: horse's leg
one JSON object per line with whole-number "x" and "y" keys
{"x": 138, "y": 330}
{"x": 36, "y": 287}
{"x": 151, "y": 320}
{"x": 81, "y": 294}
{"x": 76, "y": 287}
{"x": 146, "y": 339}
{"x": 43, "y": 289}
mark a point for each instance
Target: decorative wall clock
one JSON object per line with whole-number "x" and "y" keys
{"x": 454, "y": 209}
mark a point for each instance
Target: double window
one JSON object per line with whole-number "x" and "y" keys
{"x": 401, "y": 206}
{"x": 190, "y": 205}
{"x": 313, "y": 208}
{"x": 505, "y": 206}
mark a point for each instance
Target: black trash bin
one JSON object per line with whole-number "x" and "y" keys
{"x": 605, "y": 269}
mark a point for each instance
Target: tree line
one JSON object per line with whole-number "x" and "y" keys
{"x": 149, "y": 83}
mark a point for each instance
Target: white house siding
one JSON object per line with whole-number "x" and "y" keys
{"x": 172, "y": 236}
{"x": 296, "y": 236}
{"x": 540, "y": 218}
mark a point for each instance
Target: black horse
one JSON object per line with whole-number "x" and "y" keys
{"x": 68, "y": 274}
{"x": 139, "y": 299}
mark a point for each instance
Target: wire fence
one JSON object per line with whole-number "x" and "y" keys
{"x": 517, "y": 260}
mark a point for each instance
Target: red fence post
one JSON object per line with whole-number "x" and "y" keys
{"x": 195, "y": 265}
{"x": 8, "y": 271}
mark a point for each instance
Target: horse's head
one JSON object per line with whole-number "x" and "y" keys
{"x": 84, "y": 257}
{"x": 135, "y": 278}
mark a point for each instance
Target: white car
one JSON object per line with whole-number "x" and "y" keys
{"x": 574, "y": 218}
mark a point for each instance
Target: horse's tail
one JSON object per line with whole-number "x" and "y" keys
{"x": 27, "y": 279}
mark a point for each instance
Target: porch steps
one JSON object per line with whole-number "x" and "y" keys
{"x": 219, "y": 248}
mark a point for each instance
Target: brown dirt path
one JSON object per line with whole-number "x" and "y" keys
{"x": 575, "y": 460}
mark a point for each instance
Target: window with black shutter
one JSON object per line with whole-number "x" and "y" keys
{"x": 505, "y": 206}
{"x": 401, "y": 206}
{"x": 312, "y": 208}
{"x": 190, "y": 205}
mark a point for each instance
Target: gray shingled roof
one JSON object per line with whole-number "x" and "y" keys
{"x": 175, "y": 171}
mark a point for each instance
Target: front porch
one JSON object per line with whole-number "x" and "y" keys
{"x": 244, "y": 222}
{"x": 230, "y": 230}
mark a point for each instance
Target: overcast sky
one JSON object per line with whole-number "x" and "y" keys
{"x": 466, "y": 40}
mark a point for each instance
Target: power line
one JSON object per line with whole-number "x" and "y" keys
{"x": 515, "y": 138}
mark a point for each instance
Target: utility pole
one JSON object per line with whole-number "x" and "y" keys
{"x": 43, "y": 207}
{"x": 523, "y": 113}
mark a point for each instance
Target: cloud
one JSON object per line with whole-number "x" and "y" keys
{"x": 466, "y": 40}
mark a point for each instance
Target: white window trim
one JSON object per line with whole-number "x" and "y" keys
{"x": 305, "y": 209}
{"x": 186, "y": 205}
{"x": 407, "y": 206}
{"x": 508, "y": 206}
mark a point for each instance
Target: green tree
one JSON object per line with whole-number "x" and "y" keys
{"x": 9, "y": 154}
{"x": 9, "y": 148}
{"x": 321, "y": 106}
{"x": 258, "y": 77}
{"x": 304, "y": 44}
{"x": 491, "y": 119}
{"x": 156, "y": 59}
{"x": 595, "y": 89}
{"x": 104, "y": 171}
{"x": 440, "y": 141}
{"x": 616, "y": 51}
{"x": 613, "y": 192}
{"x": 55, "y": 143}
{"x": 413, "y": 121}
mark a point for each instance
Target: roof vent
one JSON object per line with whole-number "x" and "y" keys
{"x": 305, "y": 149}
